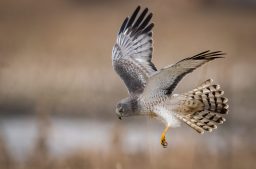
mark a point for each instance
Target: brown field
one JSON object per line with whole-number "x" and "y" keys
{"x": 55, "y": 61}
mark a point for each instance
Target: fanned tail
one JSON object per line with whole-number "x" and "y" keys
{"x": 204, "y": 107}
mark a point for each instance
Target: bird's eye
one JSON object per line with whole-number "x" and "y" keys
{"x": 121, "y": 110}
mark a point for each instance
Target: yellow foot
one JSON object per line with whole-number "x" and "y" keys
{"x": 163, "y": 139}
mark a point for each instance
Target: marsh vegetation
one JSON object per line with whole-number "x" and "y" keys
{"x": 58, "y": 90}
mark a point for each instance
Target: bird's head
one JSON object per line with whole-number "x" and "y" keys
{"x": 126, "y": 107}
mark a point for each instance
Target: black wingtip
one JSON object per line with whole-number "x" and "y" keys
{"x": 208, "y": 55}
{"x": 133, "y": 17}
{"x": 123, "y": 25}
{"x": 138, "y": 22}
{"x": 138, "y": 7}
{"x": 141, "y": 17}
{"x": 145, "y": 22}
{"x": 148, "y": 28}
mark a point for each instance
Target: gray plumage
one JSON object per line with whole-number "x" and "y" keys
{"x": 132, "y": 53}
{"x": 150, "y": 90}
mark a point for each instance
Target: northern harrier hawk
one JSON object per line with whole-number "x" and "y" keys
{"x": 150, "y": 90}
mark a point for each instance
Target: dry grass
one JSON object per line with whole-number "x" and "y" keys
{"x": 190, "y": 155}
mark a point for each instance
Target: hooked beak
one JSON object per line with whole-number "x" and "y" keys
{"x": 119, "y": 116}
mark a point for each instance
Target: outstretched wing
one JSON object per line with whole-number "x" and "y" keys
{"x": 132, "y": 53}
{"x": 165, "y": 80}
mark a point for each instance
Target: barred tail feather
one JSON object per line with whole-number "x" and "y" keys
{"x": 209, "y": 104}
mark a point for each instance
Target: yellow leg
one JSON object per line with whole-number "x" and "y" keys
{"x": 163, "y": 139}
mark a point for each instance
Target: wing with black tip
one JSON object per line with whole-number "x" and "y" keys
{"x": 164, "y": 81}
{"x": 132, "y": 53}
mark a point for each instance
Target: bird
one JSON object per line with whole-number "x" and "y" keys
{"x": 151, "y": 90}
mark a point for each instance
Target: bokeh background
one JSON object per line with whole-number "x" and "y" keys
{"x": 58, "y": 90}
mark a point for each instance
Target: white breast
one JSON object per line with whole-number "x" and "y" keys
{"x": 167, "y": 116}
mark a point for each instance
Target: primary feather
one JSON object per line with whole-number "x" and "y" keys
{"x": 132, "y": 53}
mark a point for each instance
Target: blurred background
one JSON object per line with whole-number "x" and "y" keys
{"x": 58, "y": 90}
